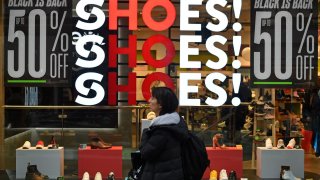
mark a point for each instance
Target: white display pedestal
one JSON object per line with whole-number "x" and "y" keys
{"x": 269, "y": 162}
{"x": 145, "y": 123}
{"x": 49, "y": 161}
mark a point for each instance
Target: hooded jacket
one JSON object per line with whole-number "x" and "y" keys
{"x": 161, "y": 148}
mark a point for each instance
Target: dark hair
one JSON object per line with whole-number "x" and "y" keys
{"x": 166, "y": 98}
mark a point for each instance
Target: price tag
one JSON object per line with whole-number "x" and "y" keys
{"x": 284, "y": 41}
{"x": 38, "y": 42}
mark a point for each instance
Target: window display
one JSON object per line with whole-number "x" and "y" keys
{"x": 78, "y": 77}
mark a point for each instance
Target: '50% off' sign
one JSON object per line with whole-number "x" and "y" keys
{"x": 37, "y": 43}
{"x": 284, "y": 43}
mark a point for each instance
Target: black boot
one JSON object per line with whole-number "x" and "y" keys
{"x": 33, "y": 173}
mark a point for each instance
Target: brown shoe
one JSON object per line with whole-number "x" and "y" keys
{"x": 98, "y": 143}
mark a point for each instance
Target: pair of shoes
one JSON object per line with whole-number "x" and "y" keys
{"x": 111, "y": 176}
{"x": 269, "y": 144}
{"x": 151, "y": 115}
{"x": 222, "y": 124}
{"x": 223, "y": 175}
{"x": 33, "y": 173}
{"x": 268, "y": 106}
{"x": 247, "y": 125}
{"x": 213, "y": 175}
{"x": 40, "y": 144}
{"x": 86, "y": 176}
{"x": 232, "y": 175}
{"x": 280, "y": 144}
{"x": 291, "y": 143}
{"x": 269, "y": 116}
{"x": 98, "y": 143}
{"x": 287, "y": 174}
{"x": 27, "y": 145}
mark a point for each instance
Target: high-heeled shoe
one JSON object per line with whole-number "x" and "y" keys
{"x": 53, "y": 144}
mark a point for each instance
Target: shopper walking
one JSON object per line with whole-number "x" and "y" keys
{"x": 161, "y": 143}
{"x": 315, "y": 120}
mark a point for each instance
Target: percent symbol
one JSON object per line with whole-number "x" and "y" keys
{"x": 54, "y": 24}
{"x": 301, "y": 27}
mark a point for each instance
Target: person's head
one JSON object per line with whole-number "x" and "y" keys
{"x": 163, "y": 101}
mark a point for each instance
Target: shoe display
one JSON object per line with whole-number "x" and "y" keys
{"x": 151, "y": 115}
{"x": 111, "y": 176}
{"x": 215, "y": 140}
{"x": 268, "y": 106}
{"x": 295, "y": 94}
{"x": 86, "y": 176}
{"x": 291, "y": 143}
{"x": 52, "y": 144}
{"x": 247, "y": 126}
{"x": 40, "y": 145}
{"x": 248, "y": 119}
{"x": 26, "y": 145}
{"x": 98, "y": 176}
{"x": 289, "y": 175}
{"x": 98, "y": 143}
{"x": 260, "y": 100}
{"x": 33, "y": 173}
{"x": 259, "y": 114}
{"x": 222, "y": 124}
{"x": 297, "y": 147}
{"x": 268, "y": 116}
{"x": 269, "y": 143}
{"x": 280, "y": 144}
{"x": 213, "y": 175}
{"x": 223, "y": 175}
{"x": 232, "y": 175}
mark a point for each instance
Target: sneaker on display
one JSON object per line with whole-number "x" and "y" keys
{"x": 267, "y": 106}
{"x": 291, "y": 143}
{"x": 40, "y": 145}
{"x": 269, "y": 143}
{"x": 98, "y": 176}
{"x": 223, "y": 175}
{"x": 268, "y": 116}
{"x": 259, "y": 114}
{"x": 295, "y": 94}
{"x": 280, "y": 144}
{"x": 247, "y": 125}
{"x": 26, "y": 145}
{"x": 222, "y": 124}
{"x": 213, "y": 175}
{"x": 111, "y": 176}
{"x": 248, "y": 119}
{"x": 260, "y": 100}
{"x": 289, "y": 175}
{"x": 151, "y": 115}
{"x": 86, "y": 176}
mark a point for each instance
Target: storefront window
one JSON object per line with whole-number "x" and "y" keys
{"x": 76, "y": 83}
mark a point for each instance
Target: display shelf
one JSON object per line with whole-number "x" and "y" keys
{"x": 269, "y": 162}
{"x": 293, "y": 106}
{"x": 263, "y": 123}
{"x": 49, "y": 161}
{"x": 100, "y": 160}
{"x": 229, "y": 158}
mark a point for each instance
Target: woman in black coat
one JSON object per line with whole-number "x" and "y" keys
{"x": 161, "y": 143}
